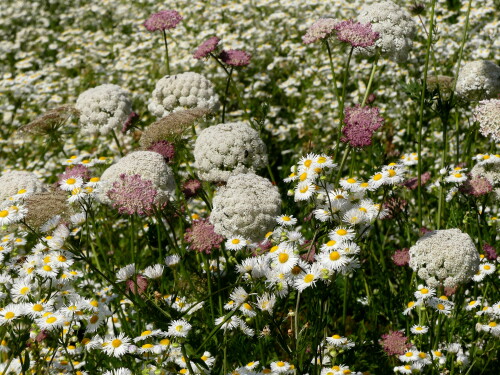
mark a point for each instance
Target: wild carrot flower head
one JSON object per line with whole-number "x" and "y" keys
{"x": 487, "y": 113}
{"x": 131, "y": 194}
{"x": 206, "y": 48}
{"x": 202, "y": 238}
{"x": 163, "y": 20}
{"x": 395, "y": 343}
{"x": 319, "y": 30}
{"x": 235, "y": 57}
{"x": 360, "y": 124}
{"x": 356, "y": 34}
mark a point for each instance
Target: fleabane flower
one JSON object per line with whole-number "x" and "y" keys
{"x": 179, "y": 328}
{"x": 116, "y": 346}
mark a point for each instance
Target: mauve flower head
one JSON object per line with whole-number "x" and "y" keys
{"x": 394, "y": 206}
{"x": 132, "y": 118}
{"x": 137, "y": 286}
{"x": 73, "y": 171}
{"x": 356, "y": 34}
{"x": 476, "y": 186}
{"x": 401, "y": 257}
{"x": 206, "y": 48}
{"x": 164, "y": 148}
{"x": 395, "y": 343}
{"x": 163, "y": 20}
{"x": 202, "y": 238}
{"x": 360, "y": 124}
{"x": 190, "y": 188}
{"x": 490, "y": 251}
{"x": 235, "y": 57}
{"x": 319, "y": 30}
{"x": 131, "y": 194}
{"x": 412, "y": 183}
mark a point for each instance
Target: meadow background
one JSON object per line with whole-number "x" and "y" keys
{"x": 137, "y": 278}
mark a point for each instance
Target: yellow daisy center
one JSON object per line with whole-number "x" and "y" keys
{"x": 4, "y": 213}
{"x": 116, "y": 343}
{"x": 308, "y": 278}
{"x": 283, "y": 257}
{"x": 334, "y": 255}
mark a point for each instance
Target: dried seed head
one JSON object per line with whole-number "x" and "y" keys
{"x": 44, "y": 206}
{"x": 49, "y": 122}
{"x": 171, "y": 127}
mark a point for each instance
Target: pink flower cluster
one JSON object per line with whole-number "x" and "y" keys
{"x": 163, "y": 20}
{"x": 356, "y": 34}
{"x": 232, "y": 57}
{"x": 395, "y": 343}
{"x": 133, "y": 195}
{"x": 202, "y": 238}
{"x": 360, "y": 124}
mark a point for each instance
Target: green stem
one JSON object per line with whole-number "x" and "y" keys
{"x": 342, "y": 102}
{"x": 370, "y": 80}
{"x": 117, "y": 142}
{"x": 342, "y": 163}
{"x": 226, "y": 92}
{"x": 166, "y": 51}
{"x": 421, "y": 113}
{"x": 334, "y": 77}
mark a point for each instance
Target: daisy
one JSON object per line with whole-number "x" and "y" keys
{"x": 350, "y": 184}
{"x": 473, "y": 304}
{"x": 22, "y": 289}
{"x": 324, "y": 161}
{"x": 307, "y": 278}
{"x": 77, "y": 194}
{"x": 9, "y": 313}
{"x": 93, "y": 182}
{"x": 284, "y": 260}
{"x": 342, "y": 234}
{"x": 304, "y": 191}
{"x": 286, "y": 220}
{"x": 50, "y": 321}
{"x": 154, "y": 272}
{"x": 334, "y": 260}
{"x": 266, "y": 302}
{"x": 349, "y": 248}
{"x": 179, "y": 328}
{"x": 236, "y": 243}
{"x": 419, "y": 330}
{"x": 125, "y": 273}
{"x": 7, "y": 217}
{"x": 22, "y": 193}
{"x": 116, "y": 346}
{"x": 394, "y": 174}
{"x": 377, "y": 180}
{"x": 322, "y": 214}
{"x": 411, "y": 305}
{"x": 456, "y": 177}
{"x": 147, "y": 334}
{"x": 307, "y": 162}
{"x": 280, "y": 367}
{"x": 410, "y": 356}
{"x": 247, "y": 309}
{"x": 424, "y": 292}
{"x": 238, "y": 295}
{"x": 71, "y": 183}
{"x": 487, "y": 268}
{"x": 440, "y": 306}
{"x": 47, "y": 271}
{"x": 354, "y": 217}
